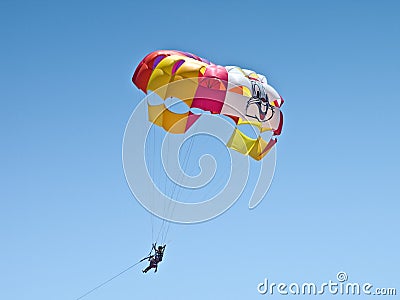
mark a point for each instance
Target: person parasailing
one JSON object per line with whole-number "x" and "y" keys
{"x": 156, "y": 258}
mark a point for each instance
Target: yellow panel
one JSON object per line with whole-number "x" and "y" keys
{"x": 246, "y": 91}
{"x": 202, "y": 70}
{"x": 173, "y": 122}
{"x": 258, "y": 146}
{"x": 157, "y": 79}
{"x": 170, "y": 121}
{"x": 156, "y": 114}
{"x": 264, "y": 129}
{"x": 191, "y": 68}
{"x": 184, "y": 90}
{"x": 250, "y": 122}
{"x": 248, "y": 146}
{"x": 258, "y": 150}
{"x": 240, "y": 142}
{"x": 167, "y": 63}
{"x": 162, "y": 92}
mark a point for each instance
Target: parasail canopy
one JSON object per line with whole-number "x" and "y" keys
{"x": 240, "y": 94}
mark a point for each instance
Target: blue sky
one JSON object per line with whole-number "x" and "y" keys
{"x": 68, "y": 219}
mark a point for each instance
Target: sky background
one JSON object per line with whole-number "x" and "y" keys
{"x": 68, "y": 220}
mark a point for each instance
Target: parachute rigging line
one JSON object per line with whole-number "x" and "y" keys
{"x": 154, "y": 193}
{"x": 165, "y": 225}
{"x": 185, "y": 163}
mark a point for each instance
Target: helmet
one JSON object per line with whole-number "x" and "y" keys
{"x": 159, "y": 247}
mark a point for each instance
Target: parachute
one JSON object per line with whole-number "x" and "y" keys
{"x": 240, "y": 94}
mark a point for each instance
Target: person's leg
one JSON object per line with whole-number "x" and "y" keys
{"x": 147, "y": 269}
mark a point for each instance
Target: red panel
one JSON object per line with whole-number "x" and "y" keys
{"x": 279, "y": 129}
{"x": 210, "y": 94}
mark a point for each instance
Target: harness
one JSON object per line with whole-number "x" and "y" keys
{"x": 158, "y": 256}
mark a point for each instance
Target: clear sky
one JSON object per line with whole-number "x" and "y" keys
{"x": 68, "y": 220}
